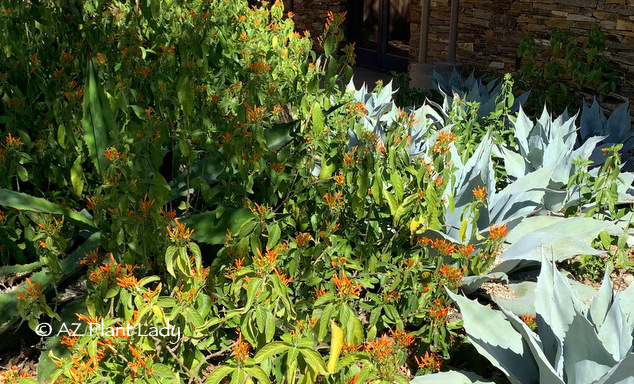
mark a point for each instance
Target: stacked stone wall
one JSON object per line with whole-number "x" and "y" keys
{"x": 490, "y": 32}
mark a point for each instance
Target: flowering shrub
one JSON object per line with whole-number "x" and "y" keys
{"x": 236, "y": 230}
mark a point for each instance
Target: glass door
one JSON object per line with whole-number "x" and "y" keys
{"x": 380, "y": 31}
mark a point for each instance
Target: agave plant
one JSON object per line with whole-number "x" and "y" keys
{"x": 575, "y": 342}
{"x": 617, "y": 129}
{"x": 474, "y": 90}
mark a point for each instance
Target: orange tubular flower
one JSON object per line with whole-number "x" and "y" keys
{"x": 443, "y": 247}
{"x": 480, "y": 194}
{"x": 179, "y": 232}
{"x": 302, "y": 239}
{"x": 497, "y": 232}
{"x": 241, "y": 349}
{"x": 402, "y": 338}
{"x": 380, "y": 348}
{"x": 332, "y": 200}
{"x": 431, "y": 363}
{"x": 345, "y": 287}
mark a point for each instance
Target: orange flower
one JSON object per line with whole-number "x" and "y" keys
{"x": 241, "y": 349}
{"x": 283, "y": 277}
{"x": 145, "y": 205}
{"x": 438, "y": 311}
{"x": 13, "y": 142}
{"x": 497, "y": 232}
{"x": 269, "y": 259}
{"x": 168, "y": 215}
{"x": 91, "y": 258}
{"x": 430, "y": 363}
{"x": 438, "y": 181}
{"x": 402, "y": 338}
{"x": 33, "y": 291}
{"x": 302, "y": 239}
{"x": 480, "y": 194}
{"x": 380, "y": 348}
{"x": 453, "y": 275}
{"x": 254, "y": 114}
{"x": 332, "y": 200}
{"x": 179, "y": 233}
{"x": 443, "y": 247}
{"x": 345, "y": 287}
{"x": 466, "y": 250}
{"x": 101, "y": 59}
{"x": 442, "y": 142}
{"x": 127, "y": 282}
{"x": 529, "y": 320}
{"x": 319, "y": 292}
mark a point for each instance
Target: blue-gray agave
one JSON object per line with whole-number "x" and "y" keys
{"x": 617, "y": 129}
{"x": 576, "y": 342}
{"x": 474, "y": 90}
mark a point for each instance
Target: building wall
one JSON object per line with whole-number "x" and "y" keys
{"x": 311, "y": 14}
{"x": 490, "y": 32}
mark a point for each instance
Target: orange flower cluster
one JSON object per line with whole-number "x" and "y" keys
{"x": 254, "y": 114}
{"x": 259, "y": 67}
{"x": 441, "y": 245}
{"x": 454, "y": 275}
{"x": 12, "y": 375}
{"x": 319, "y": 292}
{"x": 402, "y": 338}
{"x": 101, "y": 59}
{"x": 113, "y": 271}
{"x": 302, "y": 239}
{"x": 332, "y": 201}
{"x": 112, "y": 154}
{"x": 12, "y": 142}
{"x": 145, "y": 205}
{"x": 92, "y": 258}
{"x": 80, "y": 371}
{"x": 529, "y": 320}
{"x": 438, "y": 311}
{"x": 466, "y": 250}
{"x": 380, "y": 348}
{"x": 340, "y": 179}
{"x": 268, "y": 259}
{"x": 285, "y": 280}
{"x": 442, "y": 142}
{"x": 179, "y": 233}
{"x": 338, "y": 262}
{"x": 497, "y": 232}
{"x": 2, "y": 216}
{"x": 241, "y": 349}
{"x": 350, "y": 347}
{"x": 345, "y": 287}
{"x": 480, "y": 194}
{"x": 33, "y": 291}
{"x": 279, "y": 167}
{"x": 390, "y": 296}
{"x": 140, "y": 361}
{"x": 168, "y": 215}
{"x": 429, "y": 363}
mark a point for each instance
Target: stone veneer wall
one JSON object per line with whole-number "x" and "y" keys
{"x": 490, "y": 32}
{"x": 311, "y": 14}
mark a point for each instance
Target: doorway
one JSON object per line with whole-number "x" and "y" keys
{"x": 380, "y": 31}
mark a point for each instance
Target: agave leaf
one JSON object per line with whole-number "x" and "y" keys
{"x": 519, "y": 199}
{"x": 208, "y": 168}
{"x": 621, "y": 373}
{"x": 602, "y": 301}
{"x": 24, "y": 202}
{"x": 495, "y": 338}
{"x": 555, "y": 300}
{"x": 626, "y": 301}
{"x": 98, "y": 119}
{"x": 616, "y": 333}
{"x": 547, "y": 373}
{"x": 454, "y": 377}
{"x": 470, "y": 284}
{"x": 585, "y": 358}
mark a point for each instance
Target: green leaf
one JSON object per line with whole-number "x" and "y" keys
{"x": 274, "y": 235}
{"x": 162, "y": 370}
{"x": 315, "y": 360}
{"x": 186, "y": 99}
{"x": 218, "y": 374}
{"x": 317, "y": 118}
{"x": 77, "y": 176}
{"x": 258, "y": 373}
{"x": 97, "y": 120}
{"x": 274, "y": 348}
{"x": 211, "y": 228}
{"x": 24, "y": 202}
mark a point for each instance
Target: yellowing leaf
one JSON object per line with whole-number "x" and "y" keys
{"x": 336, "y": 344}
